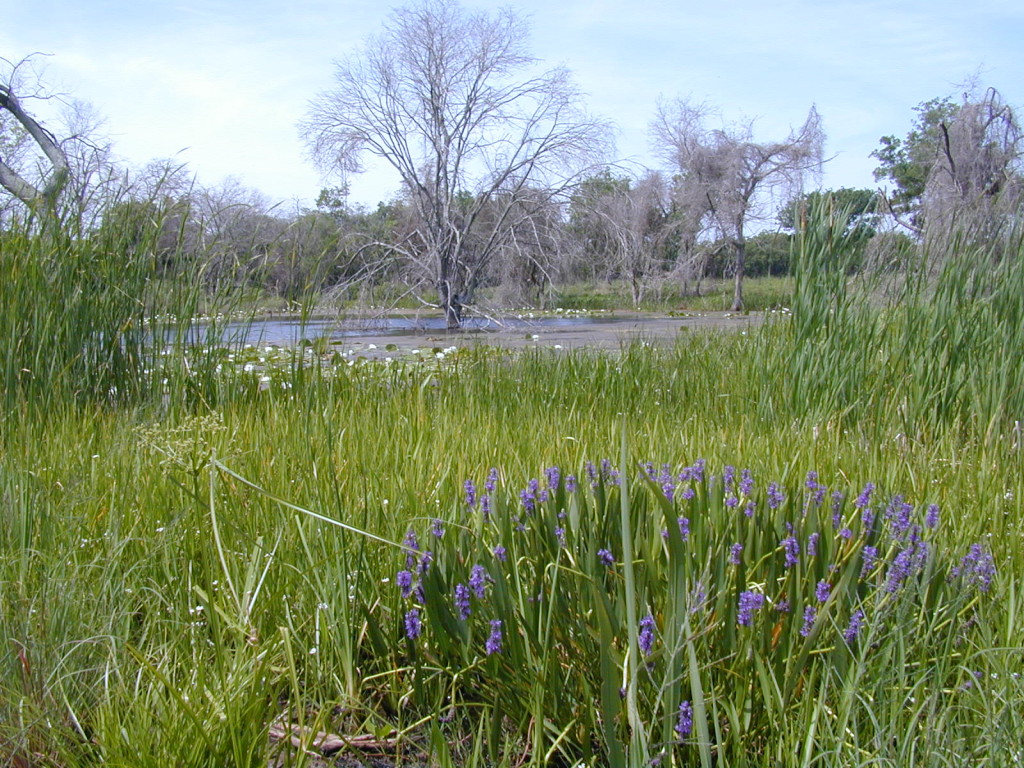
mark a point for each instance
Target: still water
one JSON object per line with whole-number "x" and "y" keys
{"x": 289, "y": 332}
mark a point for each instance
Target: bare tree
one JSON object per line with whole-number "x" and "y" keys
{"x": 975, "y": 182}
{"x": 622, "y": 224}
{"x": 531, "y": 260}
{"x": 690, "y": 252}
{"x": 74, "y": 175}
{"x": 450, "y": 100}
{"x": 735, "y": 179}
{"x": 239, "y": 233}
{"x": 35, "y": 192}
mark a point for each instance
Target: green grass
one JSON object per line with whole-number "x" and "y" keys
{"x": 211, "y": 555}
{"x": 759, "y": 293}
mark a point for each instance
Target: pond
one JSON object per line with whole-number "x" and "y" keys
{"x": 570, "y": 330}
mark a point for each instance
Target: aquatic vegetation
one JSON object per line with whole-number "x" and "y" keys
{"x": 789, "y": 621}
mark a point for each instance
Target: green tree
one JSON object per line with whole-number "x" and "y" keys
{"x": 861, "y": 205}
{"x": 959, "y": 168}
{"x": 908, "y": 162}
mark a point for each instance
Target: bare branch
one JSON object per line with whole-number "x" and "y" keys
{"x": 10, "y": 179}
{"x": 730, "y": 177}
{"x": 448, "y": 98}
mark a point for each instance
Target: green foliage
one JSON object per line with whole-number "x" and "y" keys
{"x": 578, "y": 581}
{"x": 767, "y": 255}
{"x": 169, "y": 597}
{"x": 859, "y": 206}
{"x": 928, "y": 344}
{"x": 72, "y": 316}
{"x": 908, "y": 162}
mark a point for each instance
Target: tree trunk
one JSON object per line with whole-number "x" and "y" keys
{"x": 12, "y": 181}
{"x": 741, "y": 258}
{"x": 451, "y": 302}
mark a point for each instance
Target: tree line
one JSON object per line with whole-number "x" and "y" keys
{"x": 507, "y": 187}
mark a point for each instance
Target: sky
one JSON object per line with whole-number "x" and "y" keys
{"x": 222, "y": 84}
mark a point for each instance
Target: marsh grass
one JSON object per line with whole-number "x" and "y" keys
{"x": 760, "y": 293}
{"x": 169, "y": 587}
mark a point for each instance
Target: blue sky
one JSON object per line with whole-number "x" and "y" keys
{"x": 221, "y": 85}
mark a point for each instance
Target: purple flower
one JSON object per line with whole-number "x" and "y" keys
{"x": 667, "y": 482}
{"x": 855, "y": 626}
{"x": 425, "y": 560}
{"x": 553, "y": 475}
{"x": 684, "y": 528}
{"x": 867, "y": 518}
{"x": 931, "y": 517}
{"x": 909, "y": 560}
{"x": 492, "y": 480}
{"x": 645, "y": 638}
{"x": 606, "y": 557}
{"x": 822, "y": 591}
{"x": 499, "y": 552}
{"x": 810, "y": 614}
{"x": 493, "y": 644}
{"x": 775, "y": 496}
{"x": 684, "y": 725}
{"x": 404, "y": 580}
{"x": 792, "y": 549}
{"x": 698, "y": 596}
{"x": 413, "y": 624}
{"x": 812, "y": 544}
{"x": 437, "y": 530}
{"x": 462, "y": 601}
{"x": 732, "y": 501}
{"x": 749, "y": 508}
{"x": 527, "y": 499}
{"x": 485, "y": 506}
{"x": 560, "y": 535}
{"x": 570, "y": 484}
{"x": 412, "y": 547}
{"x": 470, "y": 489}
{"x": 977, "y": 568}
{"x": 591, "y": 473}
{"x": 528, "y": 496}
{"x": 837, "y": 509}
{"x": 868, "y": 555}
{"x": 478, "y": 578}
{"x": 735, "y": 553}
{"x": 728, "y": 476}
{"x": 900, "y": 570}
{"x": 746, "y": 482}
{"x": 898, "y": 515}
{"x": 749, "y": 602}
{"x": 815, "y": 489}
{"x": 920, "y": 547}
{"x": 865, "y": 496}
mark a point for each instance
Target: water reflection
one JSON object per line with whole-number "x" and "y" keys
{"x": 289, "y": 332}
